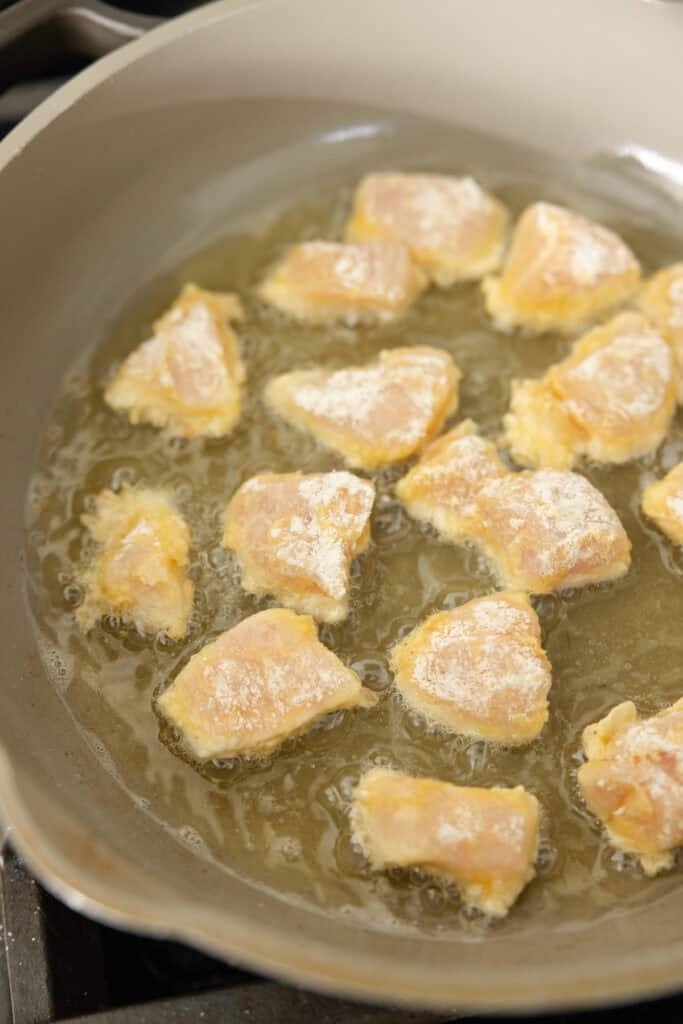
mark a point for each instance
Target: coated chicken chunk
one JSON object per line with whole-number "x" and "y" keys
{"x": 663, "y": 503}
{"x": 375, "y": 414}
{"x": 562, "y": 272}
{"x": 454, "y": 229}
{"x": 295, "y": 537}
{"x": 478, "y": 669}
{"x": 442, "y": 488}
{"x": 187, "y": 377}
{"x": 550, "y": 530}
{"x": 139, "y": 572}
{"x": 662, "y": 302}
{"x": 612, "y": 399}
{"x": 633, "y": 781}
{"x": 483, "y": 840}
{"x": 325, "y": 281}
{"x": 542, "y": 530}
{"x": 261, "y": 682}
{"x": 537, "y": 429}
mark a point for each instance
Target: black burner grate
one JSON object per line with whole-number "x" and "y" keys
{"x": 56, "y": 965}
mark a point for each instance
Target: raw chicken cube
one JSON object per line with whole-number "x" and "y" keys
{"x": 633, "y": 781}
{"x": 662, "y": 302}
{"x": 483, "y": 840}
{"x": 442, "y": 488}
{"x": 454, "y": 229}
{"x": 478, "y": 669}
{"x": 187, "y": 377}
{"x": 139, "y": 572}
{"x": 375, "y": 414}
{"x": 261, "y": 682}
{"x": 663, "y": 503}
{"x": 295, "y": 537}
{"x": 550, "y": 530}
{"x": 562, "y": 272}
{"x": 612, "y": 399}
{"x": 325, "y": 281}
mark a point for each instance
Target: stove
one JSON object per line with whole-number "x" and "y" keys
{"x": 56, "y": 965}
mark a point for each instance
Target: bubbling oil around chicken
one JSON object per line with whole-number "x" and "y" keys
{"x": 283, "y": 822}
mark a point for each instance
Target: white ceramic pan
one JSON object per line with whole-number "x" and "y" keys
{"x": 166, "y": 142}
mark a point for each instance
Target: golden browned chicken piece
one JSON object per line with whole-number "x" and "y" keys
{"x": 295, "y": 537}
{"x": 663, "y": 503}
{"x": 187, "y": 378}
{"x": 375, "y": 414}
{"x": 633, "y": 781}
{"x": 612, "y": 399}
{"x": 139, "y": 571}
{"x": 261, "y": 682}
{"x": 662, "y": 302}
{"x": 325, "y": 281}
{"x": 483, "y": 840}
{"x": 550, "y": 530}
{"x": 442, "y": 488}
{"x": 454, "y": 229}
{"x": 562, "y": 272}
{"x": 478, "y": 669}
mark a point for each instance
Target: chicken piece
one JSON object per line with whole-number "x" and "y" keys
{"x": 562, "y": 271}
{"x": 325, "y": 281}
{"x": 187, "y": 377}
{"x": 549, "y": 530}
{"x": 375, "y": 414}
{"x": 483, "y": 840}
{"x": 537, "y": 430}
{"x": 663, "y": 503}
{"x": 442, "y": 488}
{"x": 295, "y": 537}
{"x": 612, "y": 399}
{"x": 261, "y": 682}
{"x": 633, "y": 781}
{"x": 139, "y": 573}
{"x": 618, "y": 388}
{"x": 478, "y": 669}
{"x": 662, "y": 302}
{"x": 454, "y": 229}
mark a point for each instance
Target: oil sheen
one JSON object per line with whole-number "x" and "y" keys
{"x": 283, "y": 822}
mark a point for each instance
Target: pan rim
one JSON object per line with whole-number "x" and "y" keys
{"x": 106, "y": 67}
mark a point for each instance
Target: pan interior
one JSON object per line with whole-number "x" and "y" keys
{"x": 282, "y": 824}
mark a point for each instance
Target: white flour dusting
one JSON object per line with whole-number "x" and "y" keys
{"x": 555, "y": 519}
{"x": 572, "y": 245}
{"x": 392, "y": 401}
{"x": 257, "y": 674}
{"x": 308, "y": 526}
{"x": 485, "y": 660}
{"x": 623, "y": 381}
{"x": 426, "y": 211}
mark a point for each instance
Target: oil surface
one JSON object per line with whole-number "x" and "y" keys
{"x": 283, "y": 822}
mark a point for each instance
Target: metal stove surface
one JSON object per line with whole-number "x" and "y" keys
{"x": 56, "y": 965}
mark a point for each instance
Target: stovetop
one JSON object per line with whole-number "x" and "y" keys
{"x": 56, "y": 965}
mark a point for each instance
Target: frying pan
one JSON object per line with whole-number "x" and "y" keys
{"x": 117, "y": 176}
